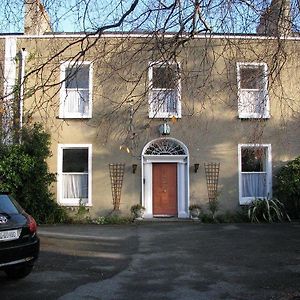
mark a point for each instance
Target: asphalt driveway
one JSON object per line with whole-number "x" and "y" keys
{"x": 179, "y": 260}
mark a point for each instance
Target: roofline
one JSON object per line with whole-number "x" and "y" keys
{"x": 147, "y": 35}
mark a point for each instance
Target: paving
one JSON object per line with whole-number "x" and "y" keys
{"x": 163, "y": 260}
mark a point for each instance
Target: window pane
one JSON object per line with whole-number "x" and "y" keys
{"x": 252, "y": 77}
{"x": 77, "y": 77}
{"x": 254, "y": 159}
{"x": 75, "y": 186}
{"x": 7, "y": 206}
{"x": 77, "y": 101}
{"x": 164, "y": 77}
{"x": 165, "y": 101}
{"x": 254, "y": 185}
{"x": 75, "y": 160}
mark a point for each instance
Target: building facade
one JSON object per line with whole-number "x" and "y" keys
{"x": 160, "y": 107}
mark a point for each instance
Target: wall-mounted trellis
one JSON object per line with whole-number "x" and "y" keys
{"x": 212, "y": 171}
{"x": 116, "y": 172}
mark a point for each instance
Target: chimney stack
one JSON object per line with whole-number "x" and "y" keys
{"x": 276, "y": 20}
{"x": 37, "y": 20}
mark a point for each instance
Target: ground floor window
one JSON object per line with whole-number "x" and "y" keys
{"x": 74, "y": 174}
{"x": 255, "y": 172}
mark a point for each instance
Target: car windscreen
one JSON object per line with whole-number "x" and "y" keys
{"x": 7, "y": 206}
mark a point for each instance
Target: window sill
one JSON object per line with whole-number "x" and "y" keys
{"x": 164, "y": 116}
{"x": 73, "y": 117}
{"x": 73, "y": 203}
{"x": 253, "y": 117}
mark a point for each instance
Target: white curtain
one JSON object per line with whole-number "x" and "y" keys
{"x": 252, "y": 102}
{"x": 254, "y": 185}
{"x": 164, "y": 101}
{"x": 75, "y": 185}
{"x": 77, "y": 101}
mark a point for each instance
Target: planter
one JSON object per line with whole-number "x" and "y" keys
{"x": 139, "y": 214}
{"x": 195, "y": 212}
{"x": 138, "y": 211}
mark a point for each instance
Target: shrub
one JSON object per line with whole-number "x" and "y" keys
{"x": 287, "y": 187}
{"x": 267, "y": 210}
{"x": 82, "y": 214}
{"x": 112, "y": 220}
{"x": 240, "y": 216}
{"x": 213, "y": 206}
{"x": 24, "y": 173}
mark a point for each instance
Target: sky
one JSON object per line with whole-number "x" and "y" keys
{"x": 235, "y": 16}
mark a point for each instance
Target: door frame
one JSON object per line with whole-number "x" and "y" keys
{"x": 183, "y": 190}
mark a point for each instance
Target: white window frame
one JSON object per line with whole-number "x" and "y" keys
{"x": 63, "y": 94}
{"x": 247, "y": 200}
{"x": 264, "y": 90}
{"x": 153, "y": 113}
{"x": 74, "y": 201}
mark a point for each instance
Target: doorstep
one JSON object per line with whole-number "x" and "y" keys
{"x": 165, "y": 220}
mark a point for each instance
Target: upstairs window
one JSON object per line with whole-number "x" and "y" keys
{"x": 253, "y": 100}
{"x": 76, "y": 91}
{"x": 164, "y": 90}
{"x": 255, "y": 172}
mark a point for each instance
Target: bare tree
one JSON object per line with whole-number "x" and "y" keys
{"x": 157, "y": 31}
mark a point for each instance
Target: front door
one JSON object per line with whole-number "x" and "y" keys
{"x": 164, "y": 183}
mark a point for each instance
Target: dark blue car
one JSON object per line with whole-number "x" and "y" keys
{"x": 19, "y": 243}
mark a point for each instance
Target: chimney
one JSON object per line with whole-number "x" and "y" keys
{"x": 37, "y": 21}
{"x": 276, "y": 20}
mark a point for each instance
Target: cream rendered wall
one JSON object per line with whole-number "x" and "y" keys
{"x": 209, "y": 126}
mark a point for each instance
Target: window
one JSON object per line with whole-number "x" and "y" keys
{"x": 74, "y": 174}
{"x": 255, "y": 172}
{"x": 253, "y": 100}
{"x": 164, "y": 90}
{"x": 76, "y": 90}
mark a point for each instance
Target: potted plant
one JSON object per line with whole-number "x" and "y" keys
{"x": 138, "y": 211}
{"x": 195, "y": 211}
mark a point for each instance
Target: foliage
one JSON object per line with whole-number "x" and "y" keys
{"x": 112, "y": 219}
{"x": 267, "y": 210}
{"x": 213, "y": 206}
{"x": 206, "y": 218}
{"x": 81, "y": 215}
{"x": 287, "y": 187}
{"x": 24, "y": 173}
{"x": 240, "y": 216}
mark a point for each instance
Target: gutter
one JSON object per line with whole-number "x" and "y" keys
{"x": 23, "y": 53}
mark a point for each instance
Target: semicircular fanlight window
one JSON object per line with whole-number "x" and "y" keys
{"x": 165, "y": 147}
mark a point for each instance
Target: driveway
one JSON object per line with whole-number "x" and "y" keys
{"x": 179, "y": 260}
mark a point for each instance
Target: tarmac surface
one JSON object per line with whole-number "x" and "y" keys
{"x": 163, "y": 260}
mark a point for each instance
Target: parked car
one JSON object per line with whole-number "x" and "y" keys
{"x": 19, "y": 243}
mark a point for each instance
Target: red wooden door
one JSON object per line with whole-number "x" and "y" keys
{"x": 164, "y": 183}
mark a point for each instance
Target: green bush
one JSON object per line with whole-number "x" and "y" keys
{"x": 287, "y": 187}
{"x": 239, "y": 216}
{"x": 112, "y": 220}
{"x": 267, "y": 210}
{"x": 24, "y": 173}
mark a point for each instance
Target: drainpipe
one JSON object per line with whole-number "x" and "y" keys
{"x": 23, "y": 53}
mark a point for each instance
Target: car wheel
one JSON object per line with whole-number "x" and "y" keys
{"x": 18, "y": 272}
